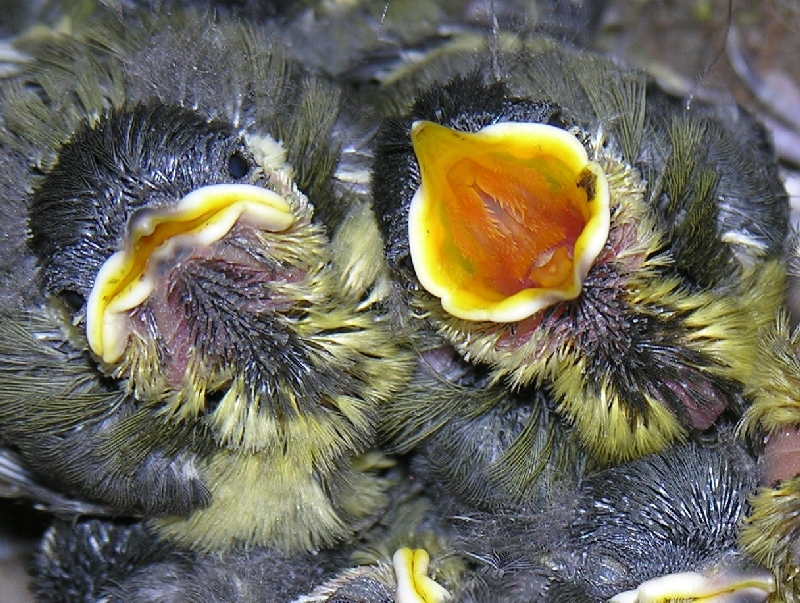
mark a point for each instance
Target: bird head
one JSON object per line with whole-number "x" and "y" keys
{"x": 183, "y": 254}
{"x": 543, "y": 226}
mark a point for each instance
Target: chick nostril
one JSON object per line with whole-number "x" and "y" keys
{"x": 238, "y": 166}
{"x": 74, "y": 300}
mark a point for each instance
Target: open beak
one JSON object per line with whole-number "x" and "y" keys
{"x": 129, "y": 276}
{"x": 507, "y": 220}
{"x": 413, "y": 583}
{"x": 739, "y": 585}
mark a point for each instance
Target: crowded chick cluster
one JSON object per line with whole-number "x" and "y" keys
{"x": 366, "y": 302}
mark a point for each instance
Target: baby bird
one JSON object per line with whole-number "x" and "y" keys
{"x": 408, "y": 557}
{"x": 660, "y": 528}
{"x": 556, "y": 219}
{"x": 772, "y": 532}
{"x": 95, "y": 560}
{"x": 192, "y": 328}
{"x": 360, "y": 40}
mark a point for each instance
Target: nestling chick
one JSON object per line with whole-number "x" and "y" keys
{"x": 200, "y": 340}
{"x": 105, "y": 561}
{"x": 407, "y": 557}
{"x": 660, "y": 528}
{"x": 771, "y": 533}
{"x": 558, "y": 219}
{"x": 361, "y": 40}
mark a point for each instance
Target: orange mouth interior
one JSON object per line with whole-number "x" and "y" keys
{"x": 507, "y": 220}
